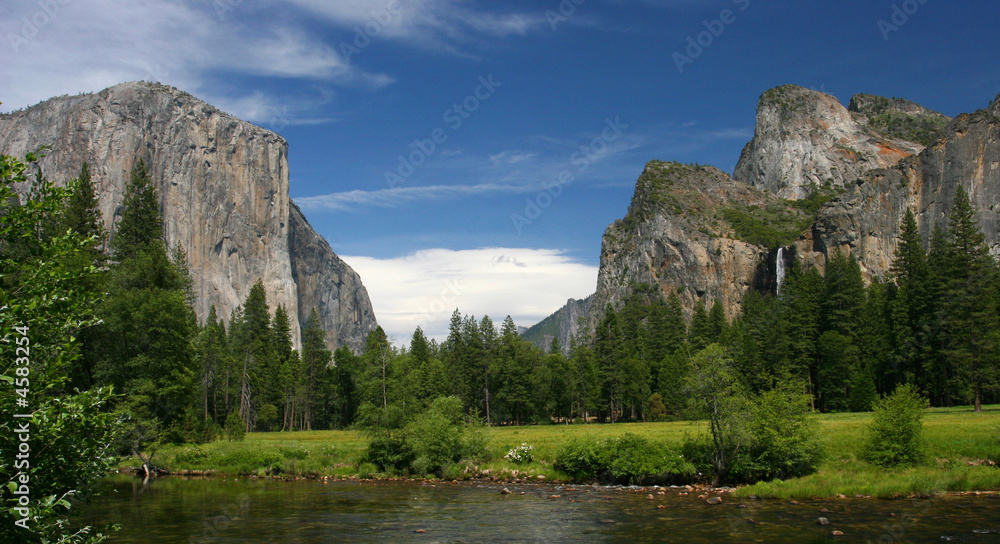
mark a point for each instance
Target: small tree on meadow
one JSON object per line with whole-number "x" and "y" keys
{"x": 895, "y": 436}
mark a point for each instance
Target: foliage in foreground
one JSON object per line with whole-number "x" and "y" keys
{"x": 46, "y": 271}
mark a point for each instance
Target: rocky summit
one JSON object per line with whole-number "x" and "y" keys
{"x": 223, "y": 188}
{"x": 804, "y": 139}
{"x": 816, "y": 177}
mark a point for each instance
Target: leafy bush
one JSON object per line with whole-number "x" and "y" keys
{"x": 252, "y": 461}
{"x": 294, "y": 452}
{"x": 235, "y": 427}
{"x": 436, "y": 434}
{"x": 520, "y": 454}
{"x": 783, "y": 441}
{"x": 894, "y": 437}
{"x": 389, "y": 452}
{"x": 636, "y": 460}
{"x": 191, "y": 455}
{"x": 629, "y": 459}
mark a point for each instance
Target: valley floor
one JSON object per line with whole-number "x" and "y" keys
{"x": 963, "y": 448}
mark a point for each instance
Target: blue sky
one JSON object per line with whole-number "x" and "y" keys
{"x": 587, "y": 88}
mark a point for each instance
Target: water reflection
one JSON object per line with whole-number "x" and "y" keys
{"x": 171, "y": 510}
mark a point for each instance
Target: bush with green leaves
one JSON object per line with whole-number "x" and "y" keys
{"x": 783, "y": 442}
{"x": 895, "y": 436}
{"x": 235, "y": 427}
{"x": 389, "y": 452}
{"x": 436, "y": 435}
{"x": 629, "y": 459}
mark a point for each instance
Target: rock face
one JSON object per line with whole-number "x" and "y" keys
{"x": 865, "y": 220}
{"x": 567, "y": 322}
{"x": 694, "y": 231}
{"x": 679, "y": 237}
{"x": 223, "y": 187}
{"x": 805, "y": 139}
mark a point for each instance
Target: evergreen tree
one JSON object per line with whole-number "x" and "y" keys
{"x": 968, "y": 301}
{"x": 315, "y": 358}
{"x": 610, "y": 352}
{"x": 140, "y": 224}
{"x": 700, "y": 334}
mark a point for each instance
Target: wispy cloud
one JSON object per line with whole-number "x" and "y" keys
{"x": 447, "y": 23}
{"x": 390, "y": 198}
{"x": 424, "y": 288}
{"x": 89, "y": 46}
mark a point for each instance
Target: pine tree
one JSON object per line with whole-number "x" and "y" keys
{"x": 140, "y": 223}
{"x": 700, "y": 333}
{"x": 315, "y": 358}
{"x": 911, "y": 307}
{"x": 970, "y": 319}
{"x": 610, "y": 352}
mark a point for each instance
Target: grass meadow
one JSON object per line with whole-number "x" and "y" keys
{"x": 960, "y": 446}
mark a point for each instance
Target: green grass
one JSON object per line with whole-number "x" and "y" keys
{"x": 958, "y": 443}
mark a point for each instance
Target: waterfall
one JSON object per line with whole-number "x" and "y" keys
{"x": 779, "y": 267}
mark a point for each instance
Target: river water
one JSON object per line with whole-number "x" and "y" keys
{"x": 239, "y": 510}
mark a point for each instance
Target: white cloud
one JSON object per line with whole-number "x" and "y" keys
{"x": 87, "y": 46}
{"x": 432, "y": 22}
{"x": 423, "y": 289}
{"x": 388, "y": 198}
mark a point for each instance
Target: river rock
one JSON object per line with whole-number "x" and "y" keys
{"x": 822, "y": 521}
{"x": 837, "y": 533}
{"x": 714, "y": 500}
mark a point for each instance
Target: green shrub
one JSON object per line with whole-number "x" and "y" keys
{"x": 629, "y": 459}
{"x": 895, "y": 436}
{"x": 389, "y": 452}
{"x": 436, "y": 434}
{"x": 247, "y": 461}
{"x": 235, "y": 427}
{"x": 783, "y": 440}
{"x": 191, "y": 455}
{"x": 294, "y": 452}
{"x": 636, "y": 461}
{"x": 584, "y": 459}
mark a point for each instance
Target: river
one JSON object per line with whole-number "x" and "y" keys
{"x": 240, "y": 510}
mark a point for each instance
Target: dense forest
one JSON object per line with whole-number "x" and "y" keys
{"x": 933, "y": 324}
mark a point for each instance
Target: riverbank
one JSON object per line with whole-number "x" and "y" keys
{"x": 963, "y": 448}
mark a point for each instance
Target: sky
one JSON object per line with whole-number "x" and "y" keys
{"x": 468, "y": 153}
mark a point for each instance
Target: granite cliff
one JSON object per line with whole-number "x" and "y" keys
{"x": 805, "y": 139}
{"x": 815, "y": 177}
{"x": 223, "y": 188}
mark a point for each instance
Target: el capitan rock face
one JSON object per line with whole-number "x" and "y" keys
{"x": 806, "y": 139}
{"x": 223, "y": 188}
